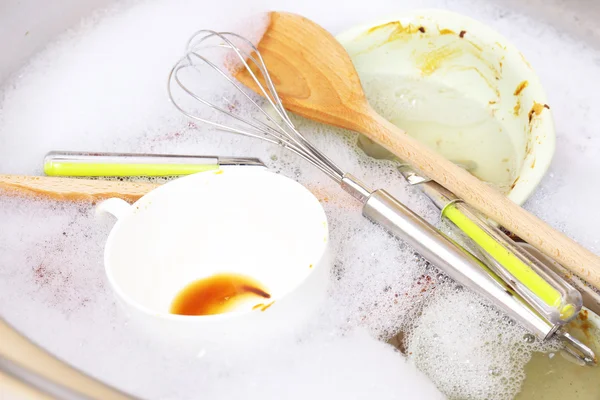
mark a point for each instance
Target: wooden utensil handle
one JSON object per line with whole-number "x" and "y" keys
{"x": 71, "y": 189}
{"x": 86, "y": 190}
{"x": 484, "y": 198}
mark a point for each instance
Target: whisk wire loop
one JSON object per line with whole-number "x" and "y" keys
{"x": 283, "y": 134}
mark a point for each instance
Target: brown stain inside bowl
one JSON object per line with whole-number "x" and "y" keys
{"x": 446, "y": 32}
{"x": 399, "y": 31}
{"x": 520, "y": 87}
{"x": 518, "y": 92}
{"x": 217, "y": 294}
{"x": 537, "y": 109}
{"x": 431, "y": 61}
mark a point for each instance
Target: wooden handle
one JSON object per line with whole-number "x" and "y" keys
{"x": 71, "y": 189}
{"x": 484, "y": 198}
{"x": 89, "y": 190}
{"x": 26, "y": 356}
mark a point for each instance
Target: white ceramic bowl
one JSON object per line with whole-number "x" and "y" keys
{"x": 459, "y": 87}
{"x": 244, "y": 221}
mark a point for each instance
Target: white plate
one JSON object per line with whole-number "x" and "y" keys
{"x": 463, "y": 89}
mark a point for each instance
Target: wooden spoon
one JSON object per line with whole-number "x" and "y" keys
{"x": 87, "y": 190}
{"x": 73, "y": 189}
{"x": 316, "y": 79}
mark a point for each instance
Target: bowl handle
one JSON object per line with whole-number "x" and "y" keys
{"x": 117, "y": 207}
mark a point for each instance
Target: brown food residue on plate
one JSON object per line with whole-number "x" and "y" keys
{"x": 404, "y": 32}
{"x": 517, "y": 108}
{"x": 514, "y": 183}
{"x": 537, "y": 109}
{"x": 378, "y": 27}
{"x": 518, "y": 91}
{"x": 520, "y": 87}
{"x": 429, "y": 62}
{"x": 525, "y": 60}
{"x": 446, "y": 32}
{"x": 399, "y": 30}
{"x": 433, "y": 60}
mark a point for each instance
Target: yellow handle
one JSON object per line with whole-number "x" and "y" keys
{"x": 62, "y": 168}
{"x": 521, "y": 271}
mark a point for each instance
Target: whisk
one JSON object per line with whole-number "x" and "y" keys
{"x": 270, "y": 122}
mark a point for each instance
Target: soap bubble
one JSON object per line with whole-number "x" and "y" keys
{"x": 101, "y": 87}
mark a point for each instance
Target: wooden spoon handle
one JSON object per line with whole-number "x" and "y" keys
{"x": 72, "y": 189}
{"x": 484, "y": 198}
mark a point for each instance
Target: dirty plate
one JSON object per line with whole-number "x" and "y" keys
{"x": 462, "y": 89}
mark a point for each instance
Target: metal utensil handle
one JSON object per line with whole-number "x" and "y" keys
{"x": 459, "y": 264}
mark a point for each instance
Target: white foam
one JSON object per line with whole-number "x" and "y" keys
{"x": 102, "y": 87}
{"x": 484, "y": 346}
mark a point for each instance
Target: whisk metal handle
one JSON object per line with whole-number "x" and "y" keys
{"x": 382, "y": 208}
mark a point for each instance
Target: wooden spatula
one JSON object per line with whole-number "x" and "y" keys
{"x": 316, "y": 79}
{"x": 73, "y": 189}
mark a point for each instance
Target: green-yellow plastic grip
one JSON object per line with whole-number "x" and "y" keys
{"x": 521, "y": 271}
{"x": 60, "y": 168}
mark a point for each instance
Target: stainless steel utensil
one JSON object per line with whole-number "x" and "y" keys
{"x": 273, "y": 125}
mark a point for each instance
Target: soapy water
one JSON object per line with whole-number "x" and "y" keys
{"x": 101, "y": 87}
